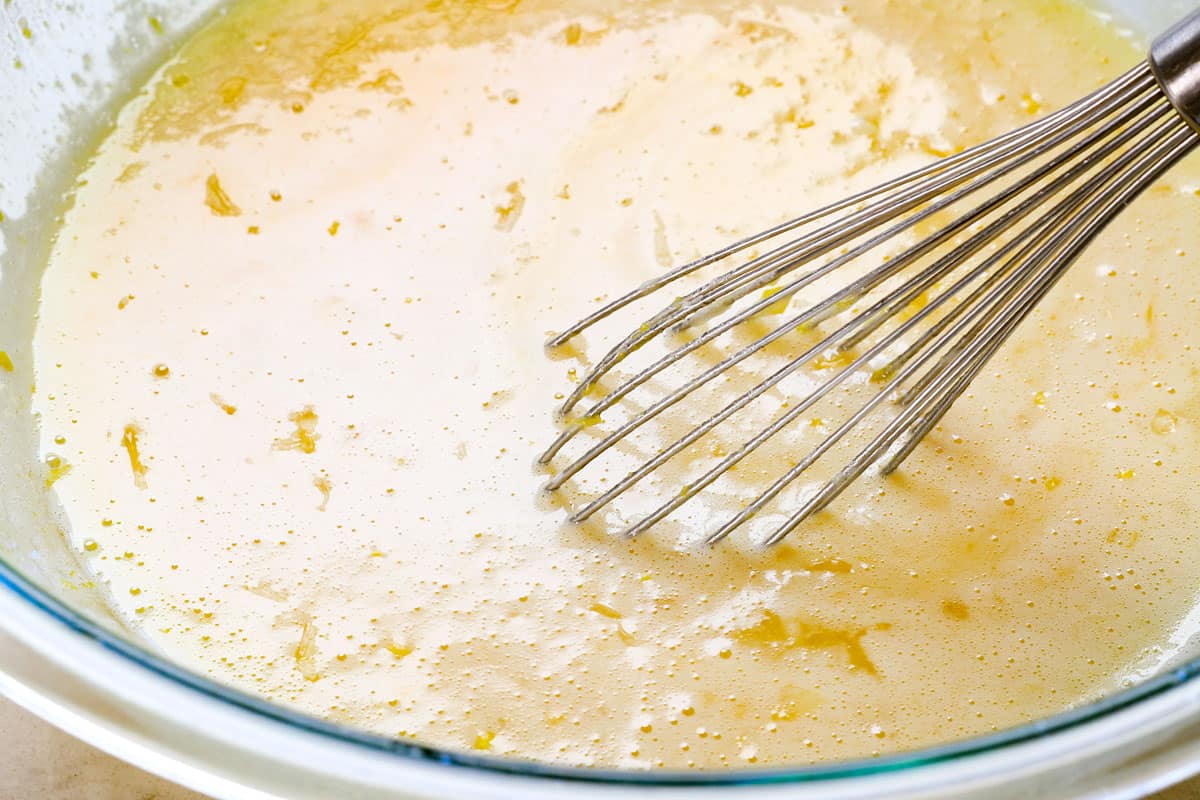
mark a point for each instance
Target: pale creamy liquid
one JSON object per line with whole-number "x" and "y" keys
{"x": 292, "y": 385}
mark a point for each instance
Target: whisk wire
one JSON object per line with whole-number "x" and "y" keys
{"x": 1059, "y": 253}
{"x": 891, "y": 369}
{"x": 1104, "y": 95}
{"x": 760, "y": 271}
{"x": 1098, "y": 154}
{"x": 1181, "y": 145}
{"x": 867, "y": 322}
{"x": 897, "y": 299}
{"x": 817, "y": 312}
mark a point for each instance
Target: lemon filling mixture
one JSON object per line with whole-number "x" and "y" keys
{"x": 291, "y": 381}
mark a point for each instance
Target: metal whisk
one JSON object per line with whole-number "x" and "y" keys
{"x": 1021, "y": 209}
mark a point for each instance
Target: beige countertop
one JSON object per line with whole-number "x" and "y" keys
{"x": 39, "y": 761}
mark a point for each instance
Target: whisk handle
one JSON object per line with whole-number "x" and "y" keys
{"x": 1175, "y": 59}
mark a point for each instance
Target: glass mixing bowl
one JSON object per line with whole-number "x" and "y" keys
{"x": 65, "y": 657}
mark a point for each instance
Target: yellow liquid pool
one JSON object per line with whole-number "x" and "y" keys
{"x": 292, "y": 385}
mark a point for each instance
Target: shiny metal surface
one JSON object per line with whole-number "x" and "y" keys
{"x": 1175, "y": 58}
{"x": 1040, "y": 194}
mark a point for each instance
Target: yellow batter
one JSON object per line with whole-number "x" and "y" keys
{"x": 292, "y": 385}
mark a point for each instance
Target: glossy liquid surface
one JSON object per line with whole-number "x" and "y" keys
{"x": 291, "y": 381}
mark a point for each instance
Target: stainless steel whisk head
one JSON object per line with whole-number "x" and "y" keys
{"x": 1006, "y": 220}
